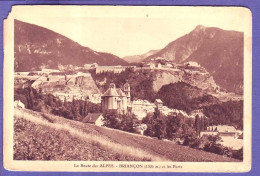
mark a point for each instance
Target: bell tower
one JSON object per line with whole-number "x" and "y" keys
{"x": 126, "y": 90}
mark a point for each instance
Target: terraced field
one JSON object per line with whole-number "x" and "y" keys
{"x": 80, "y": 141}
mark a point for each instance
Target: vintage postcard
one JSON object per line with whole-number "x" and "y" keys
{"x": 127, "y": 89}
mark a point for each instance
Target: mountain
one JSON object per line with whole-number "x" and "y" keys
{"x": 36, "y": 47}
{"x": 69, "y": 86}
{"x": 183, "y": 96}
{"x": 219, "y": 51}
{"x": 145, "y": 83}
{"x": 139, "y": 58}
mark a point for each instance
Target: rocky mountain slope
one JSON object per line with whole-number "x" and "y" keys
{"x": 139, "y": 58}
{"x": 69, "y": 86}
{"x": 198, "y": 77}
{"x": 219, "y": 51}
{"x": 145, "y": 83}
{"x": 36, "y": 47}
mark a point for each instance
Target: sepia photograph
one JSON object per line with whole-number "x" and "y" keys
{"x": 127, "y": 88}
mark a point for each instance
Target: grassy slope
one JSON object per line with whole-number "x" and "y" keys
{"x": 88, "y": 142}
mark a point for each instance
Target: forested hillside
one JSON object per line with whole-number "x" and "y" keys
{"x": 37, "y": 101}
{"x": 188, "y": 98}
{"x": 141, "y": 82}
{"x": 184, "y": 97}
{"x": 177, "y": 95}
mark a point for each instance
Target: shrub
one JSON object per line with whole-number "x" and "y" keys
{"x": 238, "y": 154}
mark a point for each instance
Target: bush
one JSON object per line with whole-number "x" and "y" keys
{"x": 123, "y": 122}
{"x": 238, "y": 154}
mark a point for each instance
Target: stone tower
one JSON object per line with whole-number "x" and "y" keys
{"x": 109, "y": 98}
{"x": 126, "y": 90}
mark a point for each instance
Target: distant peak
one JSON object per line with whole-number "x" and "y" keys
{"x": 200, "y": 27}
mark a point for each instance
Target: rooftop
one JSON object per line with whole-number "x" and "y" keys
{"x": 111, "y": 92}
{"x": 158, "y": 100}
{"x": 91, "y": 117}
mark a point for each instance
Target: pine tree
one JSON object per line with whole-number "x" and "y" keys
{"x": 197, "y": 124}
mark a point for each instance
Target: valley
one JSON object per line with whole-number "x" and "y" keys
{"x": 164, "y": 105}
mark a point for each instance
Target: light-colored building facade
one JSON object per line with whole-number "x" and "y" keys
{"x": 141, "y": 108}
{"x": 159, "y": 104}
{"x": 114, "y": 69}
{"x": 221, "y": 130}
{"x": 94, "y": 118}
{"x": 116, "y": 98}
{"x": 19, "y": 104}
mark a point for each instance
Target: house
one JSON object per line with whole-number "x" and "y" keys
{"x": 166, "y": 111}
{"x": 191, "y": 64}
{"x": 158, "y": 65}
{"x": 95, "y": 98}
{"x": 150, "y": 65}
{"x": 221, "y": 130}
{"x": 19, "y": 104}
{"x": 89, "y": 66}
{"x": 94, "y": 118}
{"x": 158, "y": 103}
{"x": 22, "y": 73}
{"x": 230, "y": 137}
{"x": 48, "y": 71}
{"x": 208, "y": 133}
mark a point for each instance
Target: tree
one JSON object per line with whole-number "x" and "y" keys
{"x": 111, "y": 119}
{"x": 172, "y": 126}
{"x": 197, "y": 124}
{"x": 159, "y": 128}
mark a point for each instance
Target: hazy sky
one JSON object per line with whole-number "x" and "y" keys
{"x": 124, "y": 31}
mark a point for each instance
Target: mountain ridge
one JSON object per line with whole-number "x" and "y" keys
{"x": 36, "y": 47}
{"x": 219, "y": 51}
{"x": 140, "y": 57}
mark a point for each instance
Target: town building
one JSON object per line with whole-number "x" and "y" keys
{"x": 166, "y": 111}
{"x": 159, "y": 104}
{"x": 230, "y": 137}
{"x": 150, "y": 65}
{"x": 141, "y": 108}
{"x": 221, "y": 130}
{"x": 90, "y": 66}
{"x": 191, "y": 64}
{"x": 94, "y": 118}
{"x": 46, "y": 71}
{"x": 19, "y": 104}
{"x": 22, "y": 73}
{"x": 158, "y": 65}
{"x": 95, "y": 98}
{"x": 116, "y": 98}
{"x": 113, "y": 69}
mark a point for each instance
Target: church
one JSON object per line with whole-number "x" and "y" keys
{"x": 116, "y": 99}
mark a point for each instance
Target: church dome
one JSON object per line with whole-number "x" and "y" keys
{"x": 111, "y": 92}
